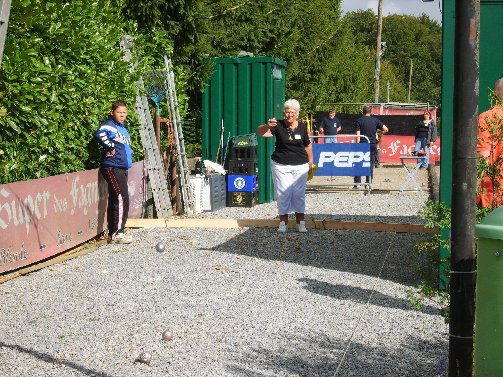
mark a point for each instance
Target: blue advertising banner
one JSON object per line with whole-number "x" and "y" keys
{"x": 342, "y": 159}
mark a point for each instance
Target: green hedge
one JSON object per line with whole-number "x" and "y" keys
{"x": 62, "y": 68}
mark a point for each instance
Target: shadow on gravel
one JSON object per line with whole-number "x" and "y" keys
{"x": 310, "y": 190}
{"x": 360, "y": 295}
{"x": 319, "y": 355}
{"x": 363, "y": 218}
{"x": 389, "y": 256}
{"x": 54, "y": 361}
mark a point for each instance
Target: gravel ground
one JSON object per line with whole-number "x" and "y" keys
{"x": 239, "y": 302}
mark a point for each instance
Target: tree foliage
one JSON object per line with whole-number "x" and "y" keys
{"x": 408, "y": 39}
{"x": 330, "y": 58}
{"x": 63, "y": 64}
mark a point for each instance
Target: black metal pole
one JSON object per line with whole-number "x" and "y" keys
{"x": 464, "y": 179}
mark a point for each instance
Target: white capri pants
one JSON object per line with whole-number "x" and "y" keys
{"x": 290, "y": 186}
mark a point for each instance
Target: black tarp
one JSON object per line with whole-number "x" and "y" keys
{"x": 401, "y": 125}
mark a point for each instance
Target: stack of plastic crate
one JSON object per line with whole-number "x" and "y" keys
{"x": 209, "y": 192}
{"x": 242, "y": 173}
{"x": 200, "y": 193}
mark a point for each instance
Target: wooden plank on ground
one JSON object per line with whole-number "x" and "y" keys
{"x": 146, "y": 223}
{"x": 273, "y": 223}
{"x": 372, "y": 226}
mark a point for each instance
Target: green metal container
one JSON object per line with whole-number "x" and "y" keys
{"x": 242, "y": 93}
{"x": 489, "y": 296}
{"x": 491, "y": 51}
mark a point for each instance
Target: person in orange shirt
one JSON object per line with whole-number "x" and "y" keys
{"x": 490, "y": 148}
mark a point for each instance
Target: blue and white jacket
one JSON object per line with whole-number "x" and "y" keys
{"x": 113, "y": 135}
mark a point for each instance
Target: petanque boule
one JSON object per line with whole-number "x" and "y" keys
{"x": 160, "y": 247}
{"x": 144, "y": 357}
{"x": 167, "y": 335}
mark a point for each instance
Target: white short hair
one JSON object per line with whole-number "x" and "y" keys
{"x": 292, "y": 104}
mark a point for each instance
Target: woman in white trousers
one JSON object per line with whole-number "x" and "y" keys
{"x": 290, "y": 162}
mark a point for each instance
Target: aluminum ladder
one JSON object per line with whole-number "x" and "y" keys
{"x": 153, "y": 159}
{"x": 181, "y": 155}
{"x": 4, "y": 21}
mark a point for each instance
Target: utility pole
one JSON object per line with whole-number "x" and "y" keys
{"x": 378, "y": 52}
{"x": 410, "y": 81}
{"x": 464, "y": 182}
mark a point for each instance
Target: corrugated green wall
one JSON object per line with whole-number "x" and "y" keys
{"x": 244, "y": 92}
{"x": 491, "y": 49}
{"x": 491, "y": 68}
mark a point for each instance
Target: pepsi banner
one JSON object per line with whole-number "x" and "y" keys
{"x": 342, "y": 159}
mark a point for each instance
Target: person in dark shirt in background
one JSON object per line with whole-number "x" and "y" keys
{"x": 368, "y": 126}
{"x": 424, "y": 136}
{"x": 330, "y": 127}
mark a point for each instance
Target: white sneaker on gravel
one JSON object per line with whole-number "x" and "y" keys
{"x": 282, "y": 227}
{"x": 121, "y": 238}
{"x": 301, "y": 227}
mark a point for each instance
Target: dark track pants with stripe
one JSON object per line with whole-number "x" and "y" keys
{"x": 118, "y": 199}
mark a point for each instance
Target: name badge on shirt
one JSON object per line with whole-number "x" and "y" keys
{"x": 298, "y": 137}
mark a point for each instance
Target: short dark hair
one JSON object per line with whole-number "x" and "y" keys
{"x": 366, "y": 110}
{"x": 118, "y": 103}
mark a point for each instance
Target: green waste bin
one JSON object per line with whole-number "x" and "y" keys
{"x": 489, "y": 296}
{"x": 242, "y": 93}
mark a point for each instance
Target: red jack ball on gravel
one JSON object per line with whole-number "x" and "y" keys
{"x": 167, "y": 335}
{"x": 144, "y": 357}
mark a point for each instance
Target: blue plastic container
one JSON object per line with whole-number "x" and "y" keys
{"x": 239, "y": 183}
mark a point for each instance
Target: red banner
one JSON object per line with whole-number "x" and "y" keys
{"x": 393, "y": 147}
{"x": 44, "y": 217}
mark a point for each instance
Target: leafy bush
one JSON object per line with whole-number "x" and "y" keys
{"x": 62, "y": 68}
{"x": 437, "y": 215}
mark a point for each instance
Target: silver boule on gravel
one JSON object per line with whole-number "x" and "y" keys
{"x": 167, "y": 335}
{"x": 160, "y": 247}
{"x": 144, "y": 357}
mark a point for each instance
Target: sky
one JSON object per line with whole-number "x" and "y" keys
{"x": 412, "y": 7}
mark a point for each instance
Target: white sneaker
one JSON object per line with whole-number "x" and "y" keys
{"x": 283, "y": 226}
{"x": 301, "y": 227}
{"x": 121, "y": 238}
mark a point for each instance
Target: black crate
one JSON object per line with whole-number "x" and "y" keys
{"x": 218, "y": 192}
{"x": 248, "y": 140}
{"x": 248, "y": 167}
{"x": 246, "y": 153}
{"x": 242, "y": 198}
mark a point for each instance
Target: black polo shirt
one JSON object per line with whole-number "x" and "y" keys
{"x": 290, "y": 147}
{"x": 368, "y": 126}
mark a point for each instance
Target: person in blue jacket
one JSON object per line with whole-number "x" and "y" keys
{"x": 116, "y": 159}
